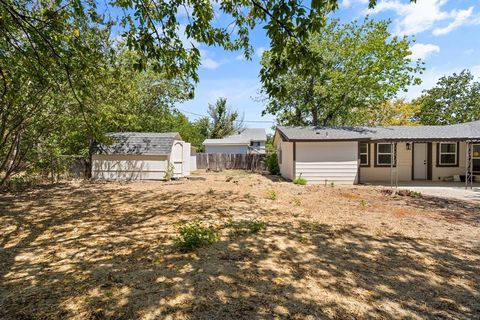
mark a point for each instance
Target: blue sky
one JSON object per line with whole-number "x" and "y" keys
{"x": 446, "y": 33}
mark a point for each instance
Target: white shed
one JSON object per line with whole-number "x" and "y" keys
{"x": 141, "y": 156}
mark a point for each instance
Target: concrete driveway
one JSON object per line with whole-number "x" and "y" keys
{"x": 452, "y": 190}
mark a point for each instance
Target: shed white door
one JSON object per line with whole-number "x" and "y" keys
{"x": 419, "y": 161}
{"x": 176, "y": 159}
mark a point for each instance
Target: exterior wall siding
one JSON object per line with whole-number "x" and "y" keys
{"x": 404, "y": 166}
{"x": 128, "y": 167}
{"x": 226, "y": 149}
{"x": 439, "y": 173}
{"x": 286, "y": 165}
{"x": 326, "y": 162}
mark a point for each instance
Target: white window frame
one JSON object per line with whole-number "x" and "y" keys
{"x": 364, "y": 153}
{"x": 440, "y": 153}
{"x": 279, "y": 156}
{"x": 384, "y": 153}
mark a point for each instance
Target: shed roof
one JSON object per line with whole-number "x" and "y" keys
{"x": 463, "y": 131}
{"x": 244, "y": 136}
{"x": 138, "y": 143}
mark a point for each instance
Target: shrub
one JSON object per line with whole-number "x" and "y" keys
{"x": 272, "y": 164}
{"x": 246, "y": 226}
{"x": 300, "y": 181}
{"x": 194, "y": 235}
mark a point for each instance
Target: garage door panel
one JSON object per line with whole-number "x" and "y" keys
{"x": 323, "y": 162}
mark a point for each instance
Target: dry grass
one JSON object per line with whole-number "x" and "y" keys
{"x": 105, "y": 251}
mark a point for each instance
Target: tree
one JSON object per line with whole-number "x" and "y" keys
{"x": 454, "y": 99}
{"x": 397, "y": 112}
{"x": 224, "y": 121}
{"x": 153, "y": 28}
{"x": 349, "y": 71}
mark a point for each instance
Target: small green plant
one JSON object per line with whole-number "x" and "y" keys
{"x": 272, "y": 195}
{"x": 245, "y": 226}
{"x": 300, "y": 181}
{"x": 415, "y": 194}
{"x": 332, "y": 184}
{"x": 210, "y": 191}
{"x": 194, "y": 235}
{"x": 363, "y": 203}
{"x": 169, "y": 172}
{"x": 272, "y": 164}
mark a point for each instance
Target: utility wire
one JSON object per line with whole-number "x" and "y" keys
{"x": 203, "y": 115}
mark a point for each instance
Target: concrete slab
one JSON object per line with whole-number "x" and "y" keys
{"x": 452, "y": 190}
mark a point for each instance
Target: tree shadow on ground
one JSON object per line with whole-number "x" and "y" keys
{"x": 102, "y": 253}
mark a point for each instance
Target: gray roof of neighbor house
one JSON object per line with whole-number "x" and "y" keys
{"x": 244, "y": 136}
{"x": 138, "y": 143}
{"x": 463, "y": 131}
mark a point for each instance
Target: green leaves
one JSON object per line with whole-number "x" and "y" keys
{"x": 345, "y": 72}
{"x": 454, "y": 99}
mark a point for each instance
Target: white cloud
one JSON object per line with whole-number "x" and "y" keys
{"x": 259, "y": 51}
{"x": 422, "y": 51}
{"x": 413, "y": 18}
{"x": 349, "y": 3}
{"x": 460, "y": 18}
{"x": 209, "y": 63}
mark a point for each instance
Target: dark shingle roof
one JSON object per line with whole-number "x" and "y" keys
{"x": 464, "y": 131}
{"x": 138, "y": 143}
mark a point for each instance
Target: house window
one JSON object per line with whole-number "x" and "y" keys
{"x": 384, "y": 154}
{"x": 255, "y": 144}
{"x": 476, "y": 158}
{"x": 364, "y": 154}
{"x": 447, "y": 154}
{"x": 279, "y": 156}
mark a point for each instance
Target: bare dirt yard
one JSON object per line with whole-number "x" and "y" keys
{"x": 106, "y": 251}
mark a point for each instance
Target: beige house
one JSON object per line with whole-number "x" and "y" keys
{"x": 245, "y": 141}
{"x": 350, "y": 155}
{"x": 142, "y": 156}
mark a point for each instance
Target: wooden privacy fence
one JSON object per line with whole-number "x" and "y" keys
{"x": 222, "y": 161}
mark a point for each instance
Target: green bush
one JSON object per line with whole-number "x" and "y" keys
{"x": 246, "y": 226}
{"x": 194, "y": 235}
{"x": 300, "y": 181}
{"x": 272, "y": 164}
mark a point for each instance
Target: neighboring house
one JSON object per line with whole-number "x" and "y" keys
{"x": 141, "y": 156}
{"x": 348, "y": 155}
{"x": 245, "y": 141}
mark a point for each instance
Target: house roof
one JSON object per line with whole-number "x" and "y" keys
{"x": 243, "y": 137}
{"x": 138, "y": 143}
{"x": 464, "y": 131}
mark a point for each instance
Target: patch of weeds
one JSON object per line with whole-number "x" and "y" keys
{"x": 332, "y": 184}
{"x": 415, "y": 194}
{"x": 300, "y": 181}
{"x": 108, "y": 294}
{"x": 303, "y": 240}
{"x": 194, "y": 235}
{"x": 297, "y": 202}
{"x": 272, "y": 195}
{"x": 246, "y": 226}
{"x": 210, "y": 191}
{"x": 363, "y": 203}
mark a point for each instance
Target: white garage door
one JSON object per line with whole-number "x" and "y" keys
{"x": 326, "y": 162}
